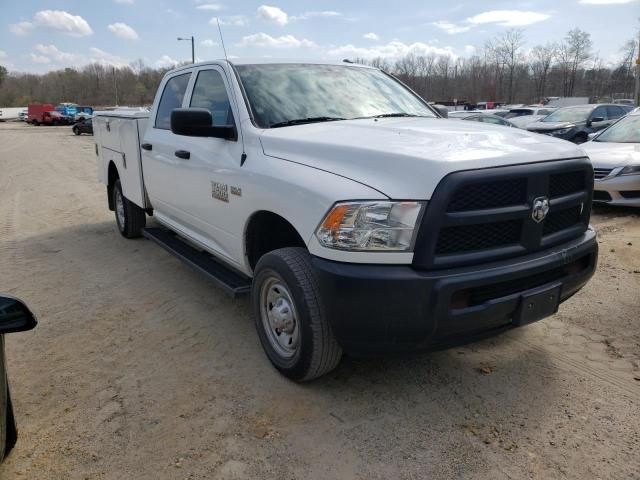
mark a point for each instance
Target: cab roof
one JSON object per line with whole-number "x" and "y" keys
{"x": 270, "y": 61}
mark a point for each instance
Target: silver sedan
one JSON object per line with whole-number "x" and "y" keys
{"x": 615, "y": 154}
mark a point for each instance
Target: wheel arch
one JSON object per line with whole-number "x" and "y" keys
{"x": 266, "y": 231}
{"x": 112, "y": 176}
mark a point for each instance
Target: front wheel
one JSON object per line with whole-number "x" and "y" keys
{"x": 130, "y": 218}
{"x": 76, "y": 131}
{"x": 290, "y": 316}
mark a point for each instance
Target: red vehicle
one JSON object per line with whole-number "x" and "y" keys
{"x": 44, "y": 114}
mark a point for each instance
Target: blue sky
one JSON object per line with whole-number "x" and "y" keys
{"x": 41, "y": 35}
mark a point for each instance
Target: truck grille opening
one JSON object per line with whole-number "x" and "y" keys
{"x": 471, "y": 297}
{"x": 489, "y": 195}
{"x": 630, "y": 194}
{"x": 485, "y": 215}
{"x": 467, "y": 238}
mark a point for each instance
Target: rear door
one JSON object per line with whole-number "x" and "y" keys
{"x": 161, "y": 167}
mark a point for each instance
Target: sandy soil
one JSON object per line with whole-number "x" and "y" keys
{"x": 139, "y": 369}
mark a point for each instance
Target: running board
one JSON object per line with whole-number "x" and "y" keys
{"x": 233, "y": 283}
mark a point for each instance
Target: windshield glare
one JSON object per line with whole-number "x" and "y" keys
{"x": 284, "y": 92}
{"x": 571, "y": 114}
{"x": 626, "y": 130}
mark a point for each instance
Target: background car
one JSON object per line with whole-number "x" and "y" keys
{"x": 529, "y": 111}
{"x": 83, "y": 126}
{"x": 615, "y": 154}
{"x": 488, "y": 118}
{"x": 15, "y": 316}
{"x": 524, "y": 121}
{"x": 577, "y": 122}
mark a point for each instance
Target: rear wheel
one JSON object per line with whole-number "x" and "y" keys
{"x": 130, "y": 218}
{"x": 76, "y": 130}
{"x": 290, "y": 317}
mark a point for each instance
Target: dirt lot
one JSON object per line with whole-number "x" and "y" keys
{"x": 140, "y": 369}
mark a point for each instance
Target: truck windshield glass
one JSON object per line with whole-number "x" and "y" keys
{"x": 569, "y": 114}
{"x": 626, "y": 130}
{"x": 290, "y": 94}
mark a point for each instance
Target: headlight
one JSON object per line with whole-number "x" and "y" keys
{"x": 630, "y": 170}
{"x": 562, "y": 131}
{"x": 370, "y": 226}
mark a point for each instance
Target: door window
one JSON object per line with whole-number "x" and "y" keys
{"x": 615, "y": 112}
{"x": 210, "y": 92}
{"x": 171, "y": 98}
{"x": 600, "y": 112}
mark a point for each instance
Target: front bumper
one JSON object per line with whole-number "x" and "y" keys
{"x": 377, "y": 308}
{"x": 623, "y": 190}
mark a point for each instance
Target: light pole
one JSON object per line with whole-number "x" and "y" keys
{"x": 193, "y": 48}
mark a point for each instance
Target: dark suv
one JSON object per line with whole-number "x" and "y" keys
{"x": 577, "y": 122}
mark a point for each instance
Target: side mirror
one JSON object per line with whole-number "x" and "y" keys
{"x": 442, "y": 110}
{"x": 15, "y": 316}
{"x": 597, "y": 119}
{"x": 592, "y": 135}
{"x": 198, "y": 122}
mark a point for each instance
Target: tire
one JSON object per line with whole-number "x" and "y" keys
{"x": 76, "y": 131}
{"x": 130, "y": 218}
{"x": 302, "y": 345}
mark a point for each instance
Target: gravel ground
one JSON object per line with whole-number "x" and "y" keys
{"x": 139, "y": 369}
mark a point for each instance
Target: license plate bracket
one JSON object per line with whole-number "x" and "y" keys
{"x": 537, "y": 304}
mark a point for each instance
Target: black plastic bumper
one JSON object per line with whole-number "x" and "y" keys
{"x": 378, "y": 308}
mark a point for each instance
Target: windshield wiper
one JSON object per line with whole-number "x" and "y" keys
{"x": 302, "y": 121}
{"x": 399, "y": 114}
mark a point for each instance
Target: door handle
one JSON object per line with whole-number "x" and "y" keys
{"x": 147, "y": 146}
{"x": 183, "y": 154}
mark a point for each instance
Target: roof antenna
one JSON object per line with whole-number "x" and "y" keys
{"x": 243, "y": 157}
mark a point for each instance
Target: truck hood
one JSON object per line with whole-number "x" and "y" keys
{"x": 405, "y": 158}
{"x": 612, "y": 155}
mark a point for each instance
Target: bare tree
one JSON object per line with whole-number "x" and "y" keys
{"x": 508, "y": 48}
{"x": 578, "y": 49}
{"x": 542, "y": 58}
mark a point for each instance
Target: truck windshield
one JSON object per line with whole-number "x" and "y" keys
{"x": 290, "y": 94}
{"x": 569, "y": 114}
{"x": 626, "y": 130}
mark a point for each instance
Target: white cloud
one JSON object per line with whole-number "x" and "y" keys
{"x": 316, "y": 14}
{"x": 231, "y": 21}
{"x": 264, "y": 40}
{"x": 210, "y": 6}
{"x": 73, "y": 25}
{"x": 166, "y": 61}
{"x": 128, "y": 2}
{"x": 122, "y": 30}
{"x": 504, "y": 18}
{"x": 106, "y": 58}
{"x": 21, "y": 28}
{"x": 605, "y": 2}
{"x": 39, "y": 58}
{"x": 371, "y": 36}
{"x": 392, "y": 50}
{"x": 273, "y": 15}
{"x": 508, "y": 18}
{"x": 208, "y": 43}
{"x": 3, "y": 54}
{"x": 451, "y": 28}
{"x": 469, "y": 49}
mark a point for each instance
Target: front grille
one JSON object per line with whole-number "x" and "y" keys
{"x": 601, "y": 196}
{"x": 466, "y": 238}
{"x": 561, "y": 220}
{"x": 489, "y": 195}
{"x": 599, "y": 173}
{"x": 487, "y": 214}
{"x": 630, "y": 194}
{"x": 566, "y": 183}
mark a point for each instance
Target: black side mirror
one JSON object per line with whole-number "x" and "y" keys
{"x": 15, "y": 316}
{"x": 198, "y": 122}
{"x": 597, "y": 119}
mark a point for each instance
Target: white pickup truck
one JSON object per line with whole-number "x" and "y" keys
{"x": 357, "y": 217}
